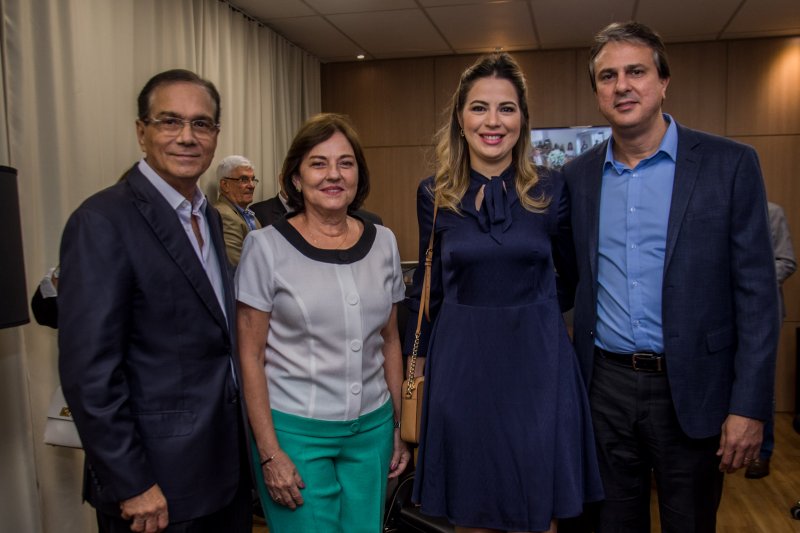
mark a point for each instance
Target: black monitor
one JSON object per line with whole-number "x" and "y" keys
{"x": 14, "y": 310}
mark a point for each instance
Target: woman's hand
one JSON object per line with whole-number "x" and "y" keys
{"x": 282, "y": 480}
{"x": 400, "y": 457}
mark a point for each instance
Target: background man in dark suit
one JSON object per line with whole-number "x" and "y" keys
{"x": 145, "y": 337}
{"x": 676, "y": 324}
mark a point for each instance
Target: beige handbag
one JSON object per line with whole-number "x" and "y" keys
{"x": 413, "y": 387}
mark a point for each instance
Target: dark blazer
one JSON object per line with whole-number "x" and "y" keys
{"x": 719, "y": 308}
{"x": 270, "y": 211}
{"x": 145, "y": 354}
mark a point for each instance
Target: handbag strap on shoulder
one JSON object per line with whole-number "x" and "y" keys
{"x": 423, "y": 303}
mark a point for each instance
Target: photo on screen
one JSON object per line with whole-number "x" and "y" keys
{"x": 554, "y": 147}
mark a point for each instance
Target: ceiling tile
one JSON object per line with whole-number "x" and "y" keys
{"x": 392, "y": 33}
{"x": 336, "y": 30}
{"x": 317, "y": 36}
{"x": 563, "y": 23}
{"x": 686, "y": 20}
{"x": 330, "y": 7}
{"x": 765, "y": 17}
{"x": 433, "y": 3}
{"x": 476, "y": 28}
{"x": 273, "y": 9}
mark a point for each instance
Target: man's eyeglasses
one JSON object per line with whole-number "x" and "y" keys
{"x": 244, "y": 180}
{"x": 174, "y": 125}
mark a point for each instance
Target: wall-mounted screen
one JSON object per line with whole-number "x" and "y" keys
{"x": 554, "y": 147}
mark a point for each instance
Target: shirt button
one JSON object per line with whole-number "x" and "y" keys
{"x": 352, "y": 298}
{"x": 633, "y": 209}
{"x": 355, "y": 345}
{"x": 355, "y": 388}
{"x": 635, "y": 283}
{"x": 354, "y": 427}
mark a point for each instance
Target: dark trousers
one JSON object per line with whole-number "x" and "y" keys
{"x": 638, "y": 436}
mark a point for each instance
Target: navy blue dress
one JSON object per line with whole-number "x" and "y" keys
{"x": 506, "y": 439}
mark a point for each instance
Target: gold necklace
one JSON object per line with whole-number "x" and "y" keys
{"x": 339, "y": 245}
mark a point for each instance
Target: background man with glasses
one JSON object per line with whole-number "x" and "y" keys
{"x": 145, "y": 331}
{"x": 237, "y": 181}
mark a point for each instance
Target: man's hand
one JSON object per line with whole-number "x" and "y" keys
{"x": 148, "y": 511}
{"x": 740, "y": 442}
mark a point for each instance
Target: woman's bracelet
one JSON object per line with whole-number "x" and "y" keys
{"x": 268, "y": 459}
{"x": 396, "y": 424}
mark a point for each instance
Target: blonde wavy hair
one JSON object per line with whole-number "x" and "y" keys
{"x": 451, "y": 179}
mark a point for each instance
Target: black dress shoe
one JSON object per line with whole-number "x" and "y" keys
{"x": 757, "y": 469}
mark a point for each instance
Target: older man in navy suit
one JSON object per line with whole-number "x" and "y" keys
{"x": 676, "y": 323}
{"x": 145, "y": 336}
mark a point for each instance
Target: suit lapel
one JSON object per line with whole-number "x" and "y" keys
{"x": 218, "y": 241}
{"x": 687, "y": 168}
{"x": 168, "y": 229}
{"x": 593, "y": 187}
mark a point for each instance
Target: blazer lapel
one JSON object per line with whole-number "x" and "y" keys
{"x": 218, "y": 241}
{"x": 687, "y": 168}
{"x": 165, "y": 224}
{"x": 594, "y": 178}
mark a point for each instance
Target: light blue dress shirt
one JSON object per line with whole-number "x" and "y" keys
{"x": 248, "y": 216}
{"x": 184, "y": 211}
{"x": 634, "y": 211}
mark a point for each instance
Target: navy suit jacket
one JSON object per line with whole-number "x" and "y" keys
{"x": 145, "y": 354}
{"x": 719, "y": 308}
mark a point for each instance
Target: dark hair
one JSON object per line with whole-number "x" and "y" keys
{"x": 316, "y": 130}
{"x": 169, "y": 77}
{"x": 452, "y": 150}
{"x": 630, "y": 32}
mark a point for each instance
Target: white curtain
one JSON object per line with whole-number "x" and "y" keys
{"x": 71, "y": 71}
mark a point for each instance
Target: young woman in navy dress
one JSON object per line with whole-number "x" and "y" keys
{"x": 506, "y": 441}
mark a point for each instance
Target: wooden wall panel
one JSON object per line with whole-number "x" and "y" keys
{"x": 390, "y": 102}
{"x": 551, "y": 87}
{"x": 586, "y": 113}
{"x": 780, "y": 163}
{"x": 696, "y": 95}
{"x": 394, "y": 176}
{"x": 448, "y": 71}
{"x": 763, "y": 82}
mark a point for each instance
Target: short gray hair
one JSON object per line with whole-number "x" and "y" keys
{"x": 227, "y": 165}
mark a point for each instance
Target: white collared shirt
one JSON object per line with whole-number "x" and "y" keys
{"x": 184, "y": 211}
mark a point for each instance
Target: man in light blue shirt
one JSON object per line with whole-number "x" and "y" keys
{"x": 675, "y": 324}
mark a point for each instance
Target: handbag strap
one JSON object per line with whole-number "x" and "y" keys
{"x": 423, "y": 305}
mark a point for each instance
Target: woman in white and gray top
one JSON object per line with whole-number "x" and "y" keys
{"x": 318, "y": 343}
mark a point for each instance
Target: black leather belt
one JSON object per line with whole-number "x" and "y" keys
{"x": 639, "y": 361}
